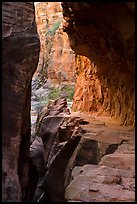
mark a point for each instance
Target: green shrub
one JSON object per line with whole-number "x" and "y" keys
{"x": 54, "y": 94}
{"x": 66, "y": 90}
{"x": 69, "y": 91}
{"x": 53, "y": 29}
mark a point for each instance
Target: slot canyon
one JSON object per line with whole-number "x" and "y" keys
{"x": 68, "y": 102}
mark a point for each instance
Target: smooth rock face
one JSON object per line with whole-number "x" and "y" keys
{"x": 103, "y": 37}
{"x": 20, "y": 53}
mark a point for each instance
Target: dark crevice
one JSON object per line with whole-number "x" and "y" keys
{"x": 111, "y": 149}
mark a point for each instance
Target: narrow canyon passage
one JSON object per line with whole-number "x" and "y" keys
{"x": 55, "y": 74}
{"x": 68, "y": 102}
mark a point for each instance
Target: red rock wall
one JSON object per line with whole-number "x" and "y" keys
{"x": 103, "y": 34}
{"x": 20, "y": 53}
{"x": 57, "y": 59}
{"x": 88, "y": 95}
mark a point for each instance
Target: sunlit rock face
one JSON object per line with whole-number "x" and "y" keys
{"x": 20, "y": 53}
{"x": 103, "y": 37}
{"x": 57, "y": 59}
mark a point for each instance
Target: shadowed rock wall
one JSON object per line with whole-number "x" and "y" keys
{"x": 103, "y": 34}
{"x": 20, "y": 53}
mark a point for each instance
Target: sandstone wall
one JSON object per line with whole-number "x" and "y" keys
{"x": 20, "y": 53}
{"x": 103, "y": 34}
{"x": 57, "y": 59}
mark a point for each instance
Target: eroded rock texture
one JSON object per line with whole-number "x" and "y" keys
{"x": 102, "y": 166}
{"x": 95, "y": 183}
{"x": 51, "y": 151}
{"x": 103, "y": 37}
{"x": 20, "y": 53}
{"x": 81, "y": 158}
{"x": 57, "y": 59}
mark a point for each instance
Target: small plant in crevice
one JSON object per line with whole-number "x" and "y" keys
{"x": 52, "y": 30}
{"x": 49, "y": 42}
{"x": 66, "y": 91}
{"x": 54, "y": 93}
{"x": 69, "y": 90}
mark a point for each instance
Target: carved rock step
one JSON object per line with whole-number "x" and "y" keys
{"x": 94, "y": 183}
{"x": 114, "y": 151}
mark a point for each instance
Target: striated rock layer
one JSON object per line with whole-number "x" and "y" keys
{"x": 103, "y": 37}
{"x": 51, "y": 151}
{"x": 20, "y": 53}
{"x": 57, "y": 59}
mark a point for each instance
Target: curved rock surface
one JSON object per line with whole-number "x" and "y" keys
{"x": 103, "y": 37}
{"x": 20, "y": 53}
